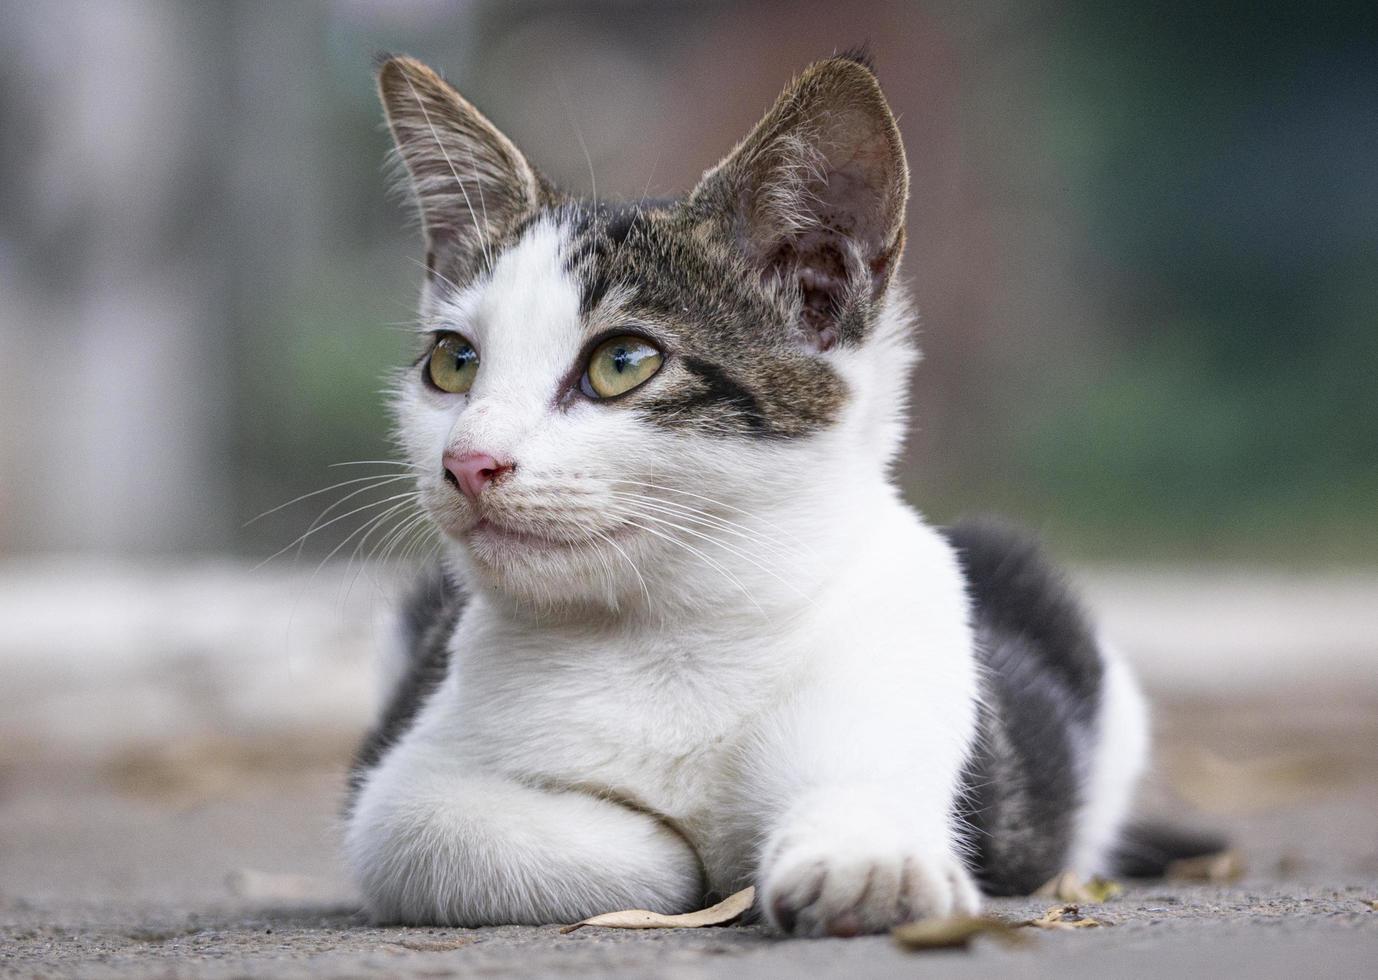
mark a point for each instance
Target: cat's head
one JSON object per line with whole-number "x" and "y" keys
{"x": 616, "y": 403}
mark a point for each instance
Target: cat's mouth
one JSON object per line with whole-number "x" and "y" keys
{"x": 490, "y": 534}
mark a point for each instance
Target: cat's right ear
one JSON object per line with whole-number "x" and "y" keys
{"x": 471, "y": 183}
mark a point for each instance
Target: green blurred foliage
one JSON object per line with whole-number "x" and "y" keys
{"x": 1224, "y": 159}
{"x": 1216, "y": 172}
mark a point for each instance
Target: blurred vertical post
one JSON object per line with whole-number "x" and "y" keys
{"x": 116, "y": 388}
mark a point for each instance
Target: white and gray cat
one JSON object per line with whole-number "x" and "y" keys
{"x": 687, "y": 636}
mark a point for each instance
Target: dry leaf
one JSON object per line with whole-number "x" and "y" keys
{"x": 957, "y": 932}
{"x": 730, "y": 908}
{"x": 1373, "y": 905}
{"x": 1068, "y": 887}
{"x": 1219, "y": 868}
{"x": 1063, "y": 917}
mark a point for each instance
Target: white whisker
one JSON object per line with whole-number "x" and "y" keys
{"x": 331, "y": 508}
{"x": 378, "y": 480}
{"x": 398, "y": 515}
{"x": 627, "y": 558}
{"x": 578, "y": 135}
{"x": 408, "y": 539}
{"x": 363, "y": 541}
{"x": 404, "y": 524}
{"x": 416, "y": 320}
{"x": 376, "y": 462}
{"x": 699, "y": 496}
{"x": 721, "y": 544}
{"x": 710, "y": 562}
{"x": 704, "y": 518}
{"x": 315, "y": 530}
{"x": 645, "y": 191}
{"x": 371, "y": 523}
{"x": 609, "y": 580}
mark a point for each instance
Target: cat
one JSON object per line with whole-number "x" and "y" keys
{"x": 686, "y": 636}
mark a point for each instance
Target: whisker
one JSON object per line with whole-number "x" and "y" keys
{"x": 609, "y": 580}
{"x": 378, "y": 555}
{"x": 329, "y": 509}
{"x": 419, "y": 321}
{"x": 578, "y": 135}
{"x": 645, "y": 191}
{"x": 772, "y": 544}
{"x": 412, "y": 551}
{"x": 363, "y": 565}
{"x": 483, "y": 205}
{"x": 403, "y": 519}
{"x": 405, "y": 534}
{"x": 436, "y": 544}
{"x": 726, "y": 547}
{"x": 711, "y": 563}
{"x": 627, "y": 558}
{"x": 315, "y": 530}
{"x": 378, "y": 480}
{"x": 699, "y": 496}
{"x": 379, "y": 552}
{"x": 702, "y": 517}
{"x": 369, "y": 524}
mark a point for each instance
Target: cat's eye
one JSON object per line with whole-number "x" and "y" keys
{"x": 453, "y": 364}
{"x": 620, "y": 364}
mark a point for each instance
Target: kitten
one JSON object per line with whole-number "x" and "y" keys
{"x": 687, "y": 635}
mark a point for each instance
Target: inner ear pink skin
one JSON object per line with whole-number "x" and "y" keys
{"x": 472, "y": 472}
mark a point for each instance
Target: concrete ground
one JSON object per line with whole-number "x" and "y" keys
{"x": 214, "y": 853}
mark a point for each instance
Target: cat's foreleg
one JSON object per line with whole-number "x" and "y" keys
{"x": 432, "y": 843}
{"x": 867, "y": 761}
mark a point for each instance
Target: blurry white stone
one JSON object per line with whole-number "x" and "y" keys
{"x": 97, "y": 656}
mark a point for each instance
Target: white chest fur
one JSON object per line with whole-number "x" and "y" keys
{"x": 647, "y": 712}
{"x": 710, "y": 722}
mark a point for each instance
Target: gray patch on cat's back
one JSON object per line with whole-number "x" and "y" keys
{"x": 1042, "y": 676}
{"x": 428, "y": 620}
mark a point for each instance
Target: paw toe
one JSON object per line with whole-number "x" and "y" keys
{"x": 833, "y": 897}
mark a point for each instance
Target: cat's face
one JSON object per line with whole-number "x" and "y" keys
{"x": 611, "y": 402}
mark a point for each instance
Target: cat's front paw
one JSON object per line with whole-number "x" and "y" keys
{"x": 818, "y": 892}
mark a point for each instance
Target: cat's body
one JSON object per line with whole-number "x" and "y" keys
{"x": 690, "y": 637}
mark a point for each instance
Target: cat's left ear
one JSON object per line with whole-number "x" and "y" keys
{"x": 815, "y": 196}
{"x": 470, "y": 181}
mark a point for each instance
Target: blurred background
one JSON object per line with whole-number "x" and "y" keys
{"x": 1143, "y": 238}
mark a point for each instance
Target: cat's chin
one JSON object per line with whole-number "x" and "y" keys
{"x": 531, "y": 566}
{"x": 498, "y": 541}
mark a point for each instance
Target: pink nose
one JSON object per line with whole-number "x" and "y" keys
{"x": 471, "y": 472}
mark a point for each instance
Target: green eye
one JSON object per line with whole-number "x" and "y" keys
{"x": 453, "y": 364}
{"x": 619, "y": 365}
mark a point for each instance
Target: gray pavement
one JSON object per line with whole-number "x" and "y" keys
{"x": 171, "y": 762}
{"x": 220, "y": 861}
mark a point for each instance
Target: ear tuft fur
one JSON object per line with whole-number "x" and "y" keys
{"x": 861, "y": 54}
{"x": 471, "y": 183}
